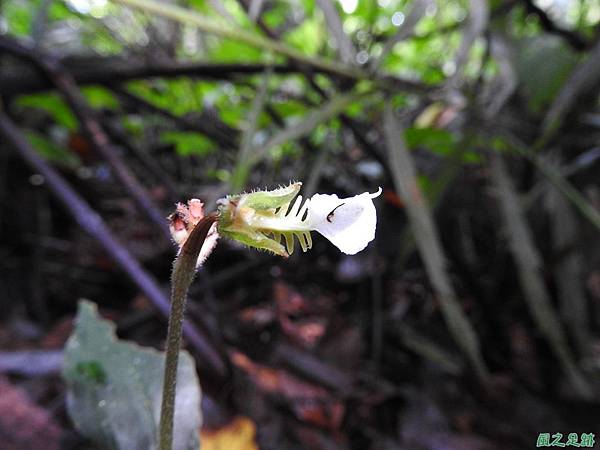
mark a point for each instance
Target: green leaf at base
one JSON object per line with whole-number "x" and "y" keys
{"x": 114, "y": 388}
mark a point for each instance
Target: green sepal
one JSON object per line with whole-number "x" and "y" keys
{"x": 257, "y": 240}
{"x": 277, "y": 198}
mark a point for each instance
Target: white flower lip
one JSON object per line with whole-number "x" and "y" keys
{"x": 348, "y": 223}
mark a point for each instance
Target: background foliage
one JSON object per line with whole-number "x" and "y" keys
{"x": 471, "y": 321}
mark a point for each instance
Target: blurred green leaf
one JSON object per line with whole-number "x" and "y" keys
{"x": 60, "y": 11}
{"x": 134, "y": 124}
{"x": 114, "y": 388}
{"x": 178, "y": 96}
{"x": 18, "y": 15}
{"x": 309, "y": 36}
{"x": 100, "y": 98}
{"x": 277, "y": 14}
{"x": 232, "y": 51}
{"x": 53, "y": 105}
{"x": 188, "y": 143}
{"x": 543, "y": 65}
{"x": 290, "y": 108}
{"x": 438, "y": 141}
{"x": 218, "y": 174}
{"x": 51, "y": 151}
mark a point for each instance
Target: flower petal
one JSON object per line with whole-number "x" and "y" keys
{"x": 349, "y": 223}
{"x": 209, "y": 245}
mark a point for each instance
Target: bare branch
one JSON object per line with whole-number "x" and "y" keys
{"x": 569, "y": 271}
{"x": 345, "y": 47}
{"x": 505, "y": 83}
{"x": 475, "y": 26}
{"x": 429, "y": 245}
{"x": 529, "y": 266}
{"x": 211, "y": 127}
{"x": 243, "y": 164}
{"x": 90, "y": 125}
{"x": 32, "y": 363}
{"x": 110, "y": 71}
{"x": 585, "y": 77}
{"x": 254, "y": 9}
{"x": 92, "y": 223}
{"x": 326, "y": 112}
{"x": 406, "y": 29}
{"x": 573, "y": 38}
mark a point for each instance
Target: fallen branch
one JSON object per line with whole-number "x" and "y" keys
{"x": 429, "y": 245}
{"x": 528, "y": 263}
{"x": 107, "y": 71}
{"x": 31, "y": 363}
{"x": 90, "y": 125}
{"x": 569, "y": 271}
{"x": 211, "y": 360}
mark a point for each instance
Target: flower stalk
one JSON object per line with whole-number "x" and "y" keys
{"x": 184, "y": 269}
{"x": 266, "y": 220}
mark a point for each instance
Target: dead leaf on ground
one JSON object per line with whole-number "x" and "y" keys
{"x": 303, "y": 322}
{"x": 306, "y": 333}
{"x": 58, "y": 334}
{"x": 23, "y": 424}
{"x": 239, "y": 434}
{"x": 310, "y": 403}
{"x": 257, "y": 316}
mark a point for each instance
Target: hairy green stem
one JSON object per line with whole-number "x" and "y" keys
{"x": 184, "y": 270}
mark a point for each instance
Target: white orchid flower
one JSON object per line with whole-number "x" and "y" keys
{"x": 348, "y": 223}
{"x": 263, "y": 219}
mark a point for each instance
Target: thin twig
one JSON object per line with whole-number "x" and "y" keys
{"x": 211, "y": 127}
{"x": 92, "y": 129}
{"x": 218, "y": 28}
{"x": 31, "y": 363}
{"x": 358, "y": 130}
{"x": 346, "y": 49}
{"x": 569, "y": 270}
{"x": 92, "y": 223}
{"x": 583, "y": 78}
{"x": 107, "y": 71}
{"x": 528, "y": 262}
{"x": 118, "y": 135}
{"x": 413, "y": 16}
{"x": 474, "y": 27}
{"x": 243, "y": 164}
{"x": 429, "y": 245}
{"x": 326, "y": 112}
{"x": 555, "y": 178}
{"x": 312, "y": 368}
{"x": 573, "y": 38}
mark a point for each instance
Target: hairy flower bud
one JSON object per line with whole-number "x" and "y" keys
{"x": 182, "y": 222}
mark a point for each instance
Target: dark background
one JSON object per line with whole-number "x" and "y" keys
{"x": 470, "y": 322}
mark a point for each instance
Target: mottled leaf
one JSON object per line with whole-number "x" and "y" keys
{"x": 114, "y": 388}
